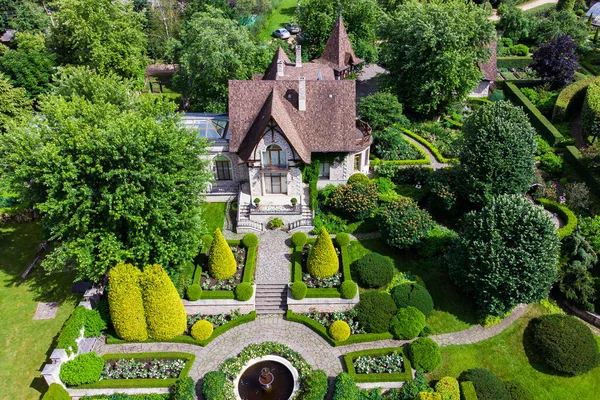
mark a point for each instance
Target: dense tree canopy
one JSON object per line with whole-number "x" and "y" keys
{"x": 381, "y": 110}
{"x": 114, "y": 184}
{"x": 103, "y": 34}
{"x": 506, "y": 254}
{"x": 497, "y": 155}
{"x": 14, "y": 104}
{"x": 433, "y": 50}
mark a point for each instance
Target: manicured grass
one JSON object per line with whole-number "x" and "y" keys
{"x": 281, "y": 15}
{"x": 505, "y": 355}
{"x": 453, "y": 311}
{"x": 25, "y": 344}
{"x": 213, "y": 216}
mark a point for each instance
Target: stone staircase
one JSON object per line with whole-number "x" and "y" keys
{"x": 271, "y": 298}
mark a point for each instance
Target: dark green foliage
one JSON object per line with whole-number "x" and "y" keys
{"x": 590, "y": 113}
{"x": 563, "y": 343}
{"x": 345, "y": 388}
{"x": 403, "y": 224}
{"x": 184, "y": 389}
{"x": 342, "y": 239}
{"x": 506, "y": 254}
{"x": 514, "y": 24}
{"x": 390, "y": 144}
{"x": 425, "y": 354}
{"x": 576, "y": 282}
{"x": 85, "y": 368}
{"x": 348, "y": 289}
{"x": 244, "y": 291}
{"x": 193, "y": 292}
{"x": 557, "y": 23}
{"x": 374, "y": 270}
{"x": 315, "y": 386}
{"x": 411, "y": 388}
{"x": 551, "y": 163}
{"x": 565, "y": 5}
{"x": 213, "y": 385}
{"x": 355, "y": 201}
{"x": 497, "y": 155}
{"x": 413, "y": 294}
{"x": 407, "y": 323}
{"x": 382, "y": 110}
{"x": 250, "y": 240}
{"x": 517, "y": 391}
{"x": 299, "y": 290}
{"x": 487, "y": 385}
{"x": 56, "y": 392}
{"x": 375, "y": 309}
{"x": 437, "y": 241}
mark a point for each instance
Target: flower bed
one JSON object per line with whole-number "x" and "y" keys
{"x": 209, "y": 283}
{"x": 216, "y": 320}
{"x": 326, "y": 319}
{"x": 378, "y": 365}
{"x": 129, "y": 368}
{"x": 388, "y": 364}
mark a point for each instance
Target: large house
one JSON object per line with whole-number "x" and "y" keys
{"x": 287, "y": 117}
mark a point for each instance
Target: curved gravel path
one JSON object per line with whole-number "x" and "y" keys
{"x": 433, "y": 162}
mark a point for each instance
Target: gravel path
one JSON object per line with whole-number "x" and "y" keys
{"x": 524, "y": 7}
{"x": 274, "y": 257}
{"x": 433, "y": 162}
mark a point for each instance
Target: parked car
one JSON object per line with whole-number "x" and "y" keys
{"x": 292, "y": 27}
{"x": 281, "y": 33}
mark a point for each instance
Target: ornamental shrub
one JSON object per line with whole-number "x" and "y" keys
{"x": 425, "y": 354}
{"x": 56, "y": 392}
{"x": 374, "y": 270}
{"x": 359, "y": 178}
{"x": 207, "y": 241}
{"x": 244, "y": 291}
{"x": 345, "y": 387}
{"x": 342, "y": 239}
{"x": 85, "y": 368}
{"x": 468, "y": 391}
{"x": 183, "y": 389}
{"x": 221, "y": 263}
{"x": 374, "y": 311}
{"x": 390, "y": 144}
{"x": 355, "y": 201}
{"x": 250, "y": 240}
{"x": 407, "y": 323}
{"x": 590, "y": 113}
{"x": 413, "y": 294}
{"x": 348, "y": 289}
{"x": 299, "y": 290}
{"x": 213, "y": 385}
{"x": 551, "y": 163}
{"x": 299, "y": 239}
{"x": 125, "y": 303}
{"x": 429, "y": 396}
{"x": 316, "y": 385}
{"x": 402, "y": 223}
{"x": 448, "y": 388}
{"x": 563, "y": 343}
{"x": 437, "y": 241}
{"x": 202, "y": 330}
{"x": 487, "y": 385}
{"x": 322, "y": 259}
{"x": 165, "y": 314}
{"x": 193, "y": 292}
{"x": 339, "y": 331}
{"x": 519, "y": 50}
{"x": 516, "y": 391}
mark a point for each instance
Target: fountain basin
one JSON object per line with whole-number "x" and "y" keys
{"x": 285, "y": 383}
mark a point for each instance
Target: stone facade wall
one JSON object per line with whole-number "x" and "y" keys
{"x": 239, "y": 172}
{"x": 340, "y": 170}
{"x": 320, "y": 304}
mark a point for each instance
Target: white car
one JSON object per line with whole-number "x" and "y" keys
{"x": 281, "y": 33}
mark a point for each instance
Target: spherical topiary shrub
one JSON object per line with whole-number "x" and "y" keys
{"x": 85, "y": 368}
{"x": 193, "y": 292}
{"x": 374, "y": 270}
{"x": 299, "y": 239}
{"x": 339, "y": 331}
{"x": 250, "y": 240}
{"x": 563, "y": 343}
{"x": 57, "y": 392}
{"x": 125, "y": 303}
{"x": 299, "y": 290}
{"x": 345, "y": 387}
{"x": 407, "y": 323}
{"x": 516, "y": 391}
{"x": 206, "y": 241}
{"x": 374, "y": 311}
{"x": 413, "y": 294}
{"x": 213, "y": 385}
{"x": 202, "y": 330}
{"x": 487, "y": 385}
{"x": 244, "y": 291}
{"x": 221, "y": 263}
{"x": 448, "y": 388}
{"x": 322, "y": 259}
{"x": 348, "y": 289}
{"x": 359, "y": 178}
{"x": 425, "y": 354}
{"x": 342, "y": 239}
{"x": 316, "y": 385}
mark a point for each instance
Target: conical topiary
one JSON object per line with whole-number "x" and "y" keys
{"x": 322, "y": 259}
{"x": 125, "y": 303}
{"x": 221, "y": 263}
{"x": 165, "y": 314}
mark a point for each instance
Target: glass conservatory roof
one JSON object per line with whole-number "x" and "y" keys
{"x": 208, "y": 126}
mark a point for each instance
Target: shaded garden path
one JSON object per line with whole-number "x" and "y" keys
{"x": 523, "y": 7}
{"x": 433, "y": 162}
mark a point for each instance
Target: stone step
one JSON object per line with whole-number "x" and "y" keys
{"x": 274, "y": 302}
{"x": 270, "y": 310}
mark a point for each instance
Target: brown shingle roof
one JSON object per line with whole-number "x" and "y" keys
{"x": 290, "y": 72}
{"x": 489, "y": 68}
{"x": 338, "y": 53}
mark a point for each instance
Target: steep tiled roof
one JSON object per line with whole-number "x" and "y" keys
{"x": 338, "y": 53}
{"x": 290, "y": 72}
{"x": 489, "y": 68}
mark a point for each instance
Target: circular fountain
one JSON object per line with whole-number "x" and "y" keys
{"x": 267, "y": 378}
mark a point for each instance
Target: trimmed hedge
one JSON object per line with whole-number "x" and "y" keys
{"x": 193, "y": 292}
{"x": 568, "y": 216}
{"x": 448, "y": 387}
{"x": 407, "y": 323}
{"x": 250, "y": 240}
{"x": 348, "y": 289}
{"x": 125, "y": 303}
{"x": 425, "y": 354}
{"x": 374, "y": 311}
{"x": 221, "y": 263}
{"x": 359, "y": 177}
{"x": 430, "y": 147}
{"x": 339, "y": 331}
{"x": 244, "y": 291}
{"x": 487, "y": 385}
{"x": 345, "y": 387}
{"x": 342, "y": 239}
{"x": 83, "y": 369}
{"x": 413, "y": 294}
{"x": 590, "y": 113}
{"x": 184, "y": 389}
{"x": 250, "y": 266}
{"x": 570, "y": 100}
{"x": 315, "y": 385}
{"x": 322, "y": 259}
{"x": 299, "y": 239}
{"x": 299, "y": 290}
{"x": 517, "y": 391}
{"x": 539, "y": 122}
{"x": 165, "y": 314}
{"x": 349, "y": 358}
{"x": 213, "y": 384}
{"x": 56, "y": 392}
{"x": 514, "y": 62}
{"x": 202, "y": 330}
{"x": 374, "y": 270}
{"x": 468, "y": 391}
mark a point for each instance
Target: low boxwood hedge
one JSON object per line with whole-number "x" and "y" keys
{"x": 514, "y": 62}
{"x": 468, "y": 391}
{"x": 429, "y": 146}
{"x": 395, "y": 377}
{"x": 570, "y": 100}
{"x": 487, "y": 385}
{"x": 564, "y": 213}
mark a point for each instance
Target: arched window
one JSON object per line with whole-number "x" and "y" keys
{"x": 223, "y": 168}
{"x": 274, "y": 156}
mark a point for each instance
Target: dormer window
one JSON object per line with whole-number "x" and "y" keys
{"x": 274, "y": 156}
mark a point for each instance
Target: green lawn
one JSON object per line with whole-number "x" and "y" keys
{"x": 281, "y": 15}
{"x": 25, "y": 344}
{"x": 214, "y": 216}
{"x": 453, "y": 312}
{"x": 505, "y": 355}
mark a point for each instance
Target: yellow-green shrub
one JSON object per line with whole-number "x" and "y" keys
{"x": 339, "y": 331}
{"x": 165, "y": 314}
{"x": 125, "y": 303}
{"x": 56, "y": 392}
{"x": 322, "y": 259}
{"x": 221, "y": 263}
{"x": 590, "y": 113}
{"x": 429, "y": 396}
{"x": 448, "y": 388}
{"x": 202, "y": 330}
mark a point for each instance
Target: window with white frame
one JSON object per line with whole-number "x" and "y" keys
{"x": 324, "y": 170}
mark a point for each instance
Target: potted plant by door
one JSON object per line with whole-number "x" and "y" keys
{"x": 294, "y": 202}
{"x": 256, "y": 202}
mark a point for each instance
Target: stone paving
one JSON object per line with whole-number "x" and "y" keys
{"x": 274, "y": 262}
{"x": 46, "y": 310}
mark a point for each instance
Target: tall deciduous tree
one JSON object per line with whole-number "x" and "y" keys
{"x": 114, "y": 184}
{"x": 433, "y": 49}
{"x": 498, "y": 152}
{"x": 14, "y": 104}
{"x": 556, "y": 61}
{"x": 506, "y": 254}
{"x": 106, "y": 35}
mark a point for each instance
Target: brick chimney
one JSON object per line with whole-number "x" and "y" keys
{"x": 301, "y": 94}
{"x": 280, "y": 67}
{"x": 298, "y": 56}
